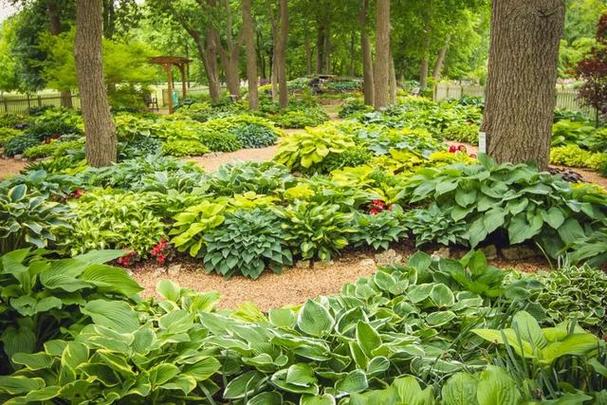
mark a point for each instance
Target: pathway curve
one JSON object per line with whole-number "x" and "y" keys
{"x": 9, "y": 167}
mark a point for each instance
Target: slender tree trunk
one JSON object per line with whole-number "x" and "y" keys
{"x": 230, "y": 55}
{"x": 424, "y": 66}
{"x": 323, "y": 44}
{"x": 393, "y": 82}
{"x": 382, "y": 54}
{"x": 249, "y": 37}
{"x": 351, "y": 72}
{"x": 99, "y": 127}
{"x": 440, "y": 60}
{"x": 282, "y": 54}
{"x": 521, "y": 85}
{"x": 365, "y": 45}
{"x": 308, "y": 50}
{"x": 52, "y": 9}
{"x": 211, "y": 65}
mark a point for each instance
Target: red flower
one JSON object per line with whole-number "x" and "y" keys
{"x": 452, "y": 148}
{"x": 162, "y": 251}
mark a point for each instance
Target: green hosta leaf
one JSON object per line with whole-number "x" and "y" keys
{"x": 577, "y": 344}
{"x": 17, "y": 193}
{"x": 354, "y": 381}
{"x": 442, "y": 296}
{"x": 570, "y": 231}
{"x": 116, "y": 315}
{"x": 554, "y": 217}
{"x": 15, "y": 385}
{"x": 494, "y": 219}
{"x": 244, "y": 385}
{"x": 162, "y": 373}
{"x": 184, "y": 383}
{"x": 36, "y": 361}
{"x": 111, "y": 280}
{"x": 421, "y": 261}
{"x": 496, "y": 387}
{"x": 169, "y": 290}
{"x": 266, "y": 398}
{"x": 529, "y": 329}
{"x": 410, "y": 392}
{"x": 203, "y": 369}
{"x": 314, "y": 319}
{"x": 460, "y": 389}
{"x": 283, "y": 318}
{"x": 367, "y": 338}
{"x": 465, "y": 198}
{"x": 302, "y": 382}
{"x": 440, "y": 318}
{"x": 378, "y": 365}
{"x": 325, "y": 399}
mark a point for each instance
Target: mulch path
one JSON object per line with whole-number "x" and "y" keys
{"x": 9, "y": 167}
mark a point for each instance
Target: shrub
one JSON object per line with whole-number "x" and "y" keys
{"x": 186, "y": 147}
{"x": 255, "y": 136}
{"x": 316, "y": 231}
{"x": 28, "y": 218}
{"x": 113, "y": 220}
{"x": 247, "y": 243}
{"x": 574, "y": 156}
{"x": 304, "y": 151}
{"x": 18, "y": 144}
{"x": 53, "y": 148}
{"x": 6, "y": 134}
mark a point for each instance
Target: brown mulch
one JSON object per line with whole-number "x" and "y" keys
{"x": 212, "y": 162}
{"x": 10, "y": 167}
{"x": 295, "y": 285}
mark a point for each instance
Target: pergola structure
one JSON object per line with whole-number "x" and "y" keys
{"x": 167, "y": 62}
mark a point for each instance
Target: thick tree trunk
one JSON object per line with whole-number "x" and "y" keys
{"x": 249, "y": 38}
{"x": 365, "y": 45}
{"x": 382, "y": 55}
{"x": 281, "y": 52}
{"x": 440, "y": 60}
{"x": 521, "y": 85}
{"x": 54, "y": 19}
{"x": 99, "y": 127}
{"x": 323, "y": 46}
{"x": 230, "y": 55}
{"x": 211, "y": 65}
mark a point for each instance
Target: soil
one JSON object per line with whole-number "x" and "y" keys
{"x": 211, "y": 162}
{"x": 293, "y": 286}
{"x": 10, "y": 167}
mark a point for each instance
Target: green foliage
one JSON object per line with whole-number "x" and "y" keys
{"x": 28, "y": 218}
{"x": 300, "y": 117}
{"x": 513, "y": 199}
{"x": 117, "y": 220}
{"x": 53, "y": 148}
{"x": 353, "y": 107}
{"x": 566, "y": 132}
{"x": 191, "y": 225}
{"x": 433, "y": 225}
{"x": 351, "y": 157}
{"x": 575, "y": 294}
{"x": 185, "y": 147}
{"x": 57, "y": 186}
{"x": 378, "y": 231}
{"x": 258, "y": 177}
{"x": 255, "y": 136}
{"x": 462, "y": 133}
{"x": 316, "y": 231}
{"x": 221, "y": 141}
{"x": 18, "y": 144}
{"x": 6, "y": 134}
{"x": 574, "y": 156}
{"x": 55, "y": 122}
{"x": 304, "y": 151}
{"x": 246, "y": 243}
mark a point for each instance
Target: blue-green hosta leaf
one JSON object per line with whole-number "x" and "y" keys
{"x": 314, "y": 319}
{"x": 496, "y": 387}
{"x": 20, "y": 338}
{"x": 116, "y": 315}
{"x": 460, "y": 389}
{"x": 421, "y": 261}
{"x": 354, "y": 381}
{"x": 17, "y": 193}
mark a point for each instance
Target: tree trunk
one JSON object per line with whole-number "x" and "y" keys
{"x": 365, "y": 45}
{"x": 211, "y": 65}
{"x": 230, "y": 55}
{"x": 351, "y": 70}
{"x": 99, "y": 127}
{"x": 308, "y": 50}
{"x": 249, "y": 37}
{"x": 382, "y": 54}
{"x": 281, "y": 52}
{"x": 424, "y": 66}
{"x": 521, "y": 85}
{"x": 440, "y": 60}
{"x": 54, "y": 19}
{"x": 323, "y": 44}
{"x": 393, "y": 82}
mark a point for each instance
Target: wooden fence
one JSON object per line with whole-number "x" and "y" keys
{"x": 565, "y": 98}
{"x": 10, "y": 103}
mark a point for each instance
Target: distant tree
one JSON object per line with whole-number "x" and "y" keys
{"x": 367, "y": 58}
{"x": 281, "y": 53}
{"x": 521, "y": 87}
{"x": 249, "y": 35}
{"x": 101, "y": 143}
{"x": 593, "y": 72}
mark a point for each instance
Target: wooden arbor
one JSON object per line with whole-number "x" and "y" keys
{"x": 167, "y": 62}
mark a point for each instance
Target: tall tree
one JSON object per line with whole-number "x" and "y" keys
{"x": 365, "y": 45}
{"x": 54, "y": 16}
{"x": 249, "y": 35}
{"x": 101, "y": 144}
{"x": 230, "y": 52}
{"x": 521, "y": 86}
{"x": 382, "y": 55}
{"x": 426, "y": 44}
{"x": 281, "y": 53}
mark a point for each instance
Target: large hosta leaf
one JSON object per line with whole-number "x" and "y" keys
{"x": 111, "y": 280}
{"x": 115, "y": 315}
{"x": 496, "y": 387}
{"x": 314, "y": 319}
{"x": 460, "y": 390}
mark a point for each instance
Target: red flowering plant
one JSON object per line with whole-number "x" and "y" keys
{"x": 377, "y": 206}
{"x": 77, "y": 193}
{"x": 163, "y": 252}
{"x": 127, "y": 260}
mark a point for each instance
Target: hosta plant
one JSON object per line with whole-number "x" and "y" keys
{"x": 248, "y": 242}
{"x": 191, "y": 225}
{"x": 303, "y": 151}
{"x": 28, "y": 218}
{"x": 259, "y": 177}
{"x": 316, "y": 231}
{"x": 185, "y": 147}
{"x": 378, "y": 230}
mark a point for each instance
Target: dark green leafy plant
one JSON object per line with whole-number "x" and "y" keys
{"x": 255, "y": 136}
{"x": 28, "y": 218}
{"x": 220, "y": 141}
{"x": 18, "y": 144}
{"x": 239, "y": 178}
{"x": 57, "y": 186}
{"x": 379, "y": 230}
{"x": 247, "y": 243}
{"x": 55, "y": 148}
{"x": 432, "y": 225}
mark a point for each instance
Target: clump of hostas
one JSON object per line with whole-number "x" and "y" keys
{"x": 567, "y": 174}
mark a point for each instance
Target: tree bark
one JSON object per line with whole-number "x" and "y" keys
{"x": 230, "y": 55}
{"x": 365, "y": 45}
{"x": 323, "y": 45}
{"x": 440, "y": 60}
{"x": 210, "y": 64}
{"x": 100, "y": 132}
{"x": 424, "y": 67}
{"x": 308, "y": 50}
{"x": 281, "y": 52}
{"x": 249, "y": 38}
{"x": 382, "y": 54}
{"x": 54, "y": 18}
{"x": 393, "y": 82}
{"x": 521, "y": 85}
